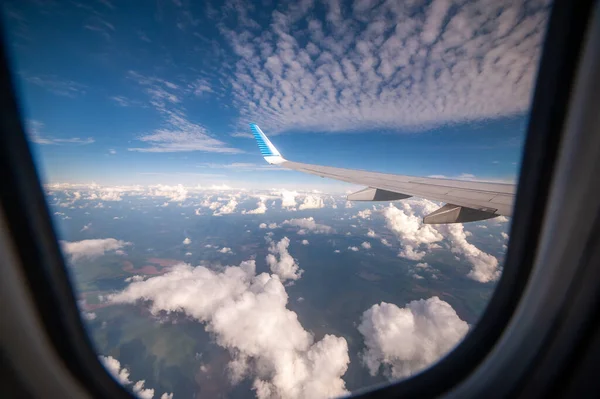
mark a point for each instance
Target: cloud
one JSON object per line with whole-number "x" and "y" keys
{"x": 504, "y": 235}
{"x": 187, "y": 241}
{"x": 286, "y": 267}
{"x": 122, "y": 376}
{"x": 366, "y": 214}
{"x": 176, "y": 193}
{"x": 403, "y": 341}
{"x": 178, "y": 133}
{"x": 247, "y": 315}
{"x": 353, "y": 249}
{"x": 312, "y": 202}
{"x": 34, "y": 130}
{"x": 411, "y": 231}
{"x": 86, "y": 227}
{"x": 371, "y": 233}
{"x": 305, "y": 242}
{"x": 393, "y": 65}
{"x": 225, "y": 250}
{"x": 366, "y": 245}
{"x": 288, "y": 198}
{"x": 308, "y": 224}
{"x": 91, "y": 248}
{"x": 227, "y": 208}
{"x": 261, "y": 207}
{"x": 485, "y": 266}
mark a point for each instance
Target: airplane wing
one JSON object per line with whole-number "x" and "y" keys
{"x": 466, "y": 201}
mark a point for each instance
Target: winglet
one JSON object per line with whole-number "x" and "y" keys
{"x": 267, "y": 148}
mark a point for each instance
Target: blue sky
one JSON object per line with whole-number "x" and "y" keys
{"x": 162, "y": 92}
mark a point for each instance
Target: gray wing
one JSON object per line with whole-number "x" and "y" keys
{"x": 466, "y": 201}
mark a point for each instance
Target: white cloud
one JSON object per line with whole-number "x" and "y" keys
{"x": 309, "y": 224}
{"x": 114, "y": 367}
{"x": 141, "y": 392}
{"x": 187, "y": 241}
{"x": 504, "y": 235}
{"x": 312, "y": 202}
{"x": 89, "y": 315}
{"x": 387, "y": 65}
{"x": 353, "y": 249}
{"x": 261, "y": 207}
{"x": 225, "y": 250}
{"x": 501, "y": 219}
{"x": 91, "y": 248}
{"x": 247, "y": 314}
{"x": 122, "y": 376}
{"x": 366, "y": 214}
{"x": 287, "y": 267}
{"x": 485, "y": 266}
{"x": 176, "y": 193}
{"x": 86, "y": 227}
{"x": 371, "y": 233}
{"x": 262, "y": 226}
{"x": 288, "y": 198}
{"x": 227, "y": 208}
{"x": 385, "y": 242}
{"x": 403, "y": 341}
{"x": 305, "y": 242}
{"x": 134, "y": 278}
{"x": 366, "y": 245}
{"x": 410, "y": 230}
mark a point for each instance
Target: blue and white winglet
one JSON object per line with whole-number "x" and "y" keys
{"x": 267, "y": 149}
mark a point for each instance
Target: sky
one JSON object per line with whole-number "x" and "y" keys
{"x": 162, "y": 92}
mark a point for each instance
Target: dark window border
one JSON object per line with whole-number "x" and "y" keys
{"x": 30, "y": 225}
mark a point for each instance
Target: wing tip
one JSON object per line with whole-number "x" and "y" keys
{"x": 267, "y": 149}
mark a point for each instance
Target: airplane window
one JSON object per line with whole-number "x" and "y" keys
{"x": 281, "y": 199}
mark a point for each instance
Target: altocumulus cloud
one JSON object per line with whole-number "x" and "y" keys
{"x": 247, "y": 314}
{"x": 403, "y": 341}
{"x": 391, "y": 64}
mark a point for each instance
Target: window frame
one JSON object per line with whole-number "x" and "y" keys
{"x": 28, "y": 220}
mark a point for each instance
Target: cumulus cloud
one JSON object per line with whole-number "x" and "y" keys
{"x": 366, "y": 245}
{"x": 371, "y": 233}
{"x": 403, "y": 341}
{"x": 86, "y": 227}
{"x": 305, "y": 242}
{"x": 122, "y": 375}
{"x": 387, "y": 65}
{"x": 411, "y": 231}
{"x": 286, "y": 267}
{"x": 91, "y": 248}
{"x": 176, "y": 193}
{"x": 366, "y": 214}
{"x": 227, "y": 208}
{"x": 353, "y": 249}
{"x": 225, "y": 250}
{"x": 247, "y": 315}
{"x": 187, "y": 241}
{"x": 288, "y": 198}
{"x": 312, "y": 202}
{"x": 309, "y": 224}
{"x": 485, "y": 266}
{"x": 261, "y": 207}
